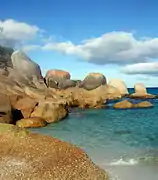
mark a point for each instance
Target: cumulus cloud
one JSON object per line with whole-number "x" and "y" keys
{"x": 14, "y": 32}
{"x": 150, "y": 68}
{"x": 113, "y": 47}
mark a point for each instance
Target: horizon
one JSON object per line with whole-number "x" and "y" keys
{"x": 116, "y": 38}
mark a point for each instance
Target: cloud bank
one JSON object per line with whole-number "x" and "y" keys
{"x": 110, "y": 48}
{"x": 150, "y": 68}
{"x": 135, "y": 55}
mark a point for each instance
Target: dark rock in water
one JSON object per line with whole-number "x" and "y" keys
{"x": 5, "y": 57}
{"x": 25, "y": 66}
{"x": 92, "y": 81}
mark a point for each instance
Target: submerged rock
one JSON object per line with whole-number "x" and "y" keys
{"x": 26, "y": 155}
{"x": 93, "y": 81}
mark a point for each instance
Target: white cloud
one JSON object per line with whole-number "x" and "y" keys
{"x": 113, "y": 47}
{"x": 32, "y": 47}
{"x": 13, "y": 32}
{"x": 150, "y": 68}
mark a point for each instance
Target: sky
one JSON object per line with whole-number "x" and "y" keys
{"x": 118, "y": 38}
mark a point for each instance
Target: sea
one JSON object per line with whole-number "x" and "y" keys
{"x": 123, "y": 142}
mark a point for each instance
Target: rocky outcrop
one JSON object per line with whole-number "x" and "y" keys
{"x": 123, "y": 105}
{"x": 93, "y": 81}
{"x": 51, "y": 112}
{"x": 32, "y": 122}
{"x": 120, "y": 85}
{"x": 33, "y": 156}
{"x": 83, "y": 98}
{"x": 141, "y": 92}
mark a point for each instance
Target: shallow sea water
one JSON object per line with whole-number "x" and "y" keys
{"x": 124, "y": 142}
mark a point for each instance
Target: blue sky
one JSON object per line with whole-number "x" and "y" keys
{"x": 118, "y": 38}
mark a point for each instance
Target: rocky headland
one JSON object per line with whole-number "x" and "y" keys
{"x": 27, "y": 100}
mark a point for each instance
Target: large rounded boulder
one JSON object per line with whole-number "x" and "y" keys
{"x": 58, "y": 74}
{"x": 25, "y": 71}
{"x": 93, "y": 81}
{"x": 120, "y": 85}
{"x": 25, "y": 66}
{"x": 25, "y": 155}
{"x": 59, "y": 79}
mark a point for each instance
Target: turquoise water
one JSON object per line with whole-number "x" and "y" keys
{"x": 124, "y": 142}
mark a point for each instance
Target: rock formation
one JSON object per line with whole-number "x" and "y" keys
{"x": 141, "y": 92}
{"x": 120, "y": 85}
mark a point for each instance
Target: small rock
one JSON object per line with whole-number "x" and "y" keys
{"x": 123, "y": 105}
{"x": 144, "y": 104}
{"x": 32, "y": 122}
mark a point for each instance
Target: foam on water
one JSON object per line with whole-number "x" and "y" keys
{"x": 122, "y": 162}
